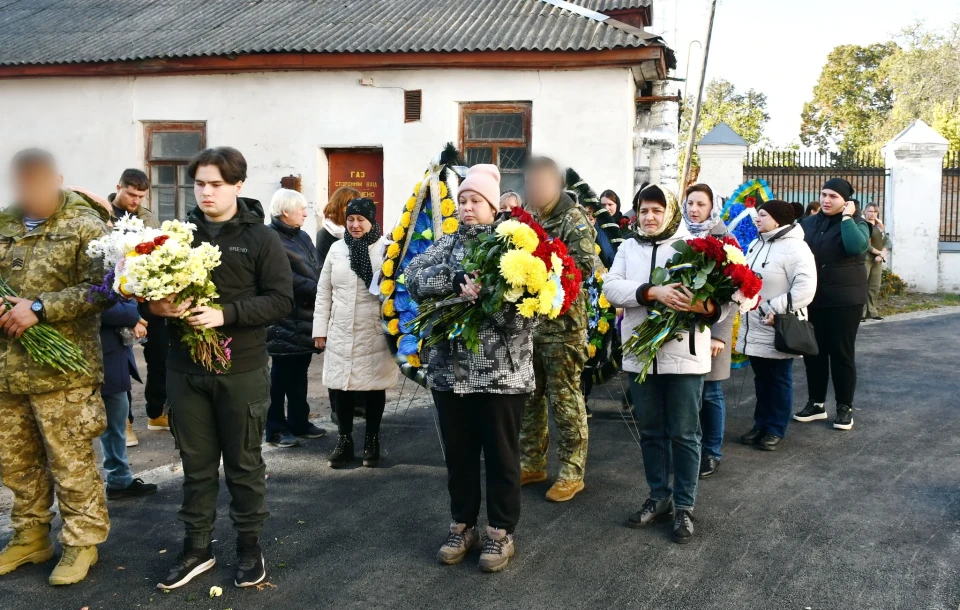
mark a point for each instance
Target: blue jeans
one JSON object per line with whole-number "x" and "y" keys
{"x": 773, "y": 379}
{"x": 114, "y": 441}
{"x": 712, "y": 416}
{"x": 667, "y": 409}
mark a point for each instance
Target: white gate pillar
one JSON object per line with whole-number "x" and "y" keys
{"x": 721, "y": 152}
{"x": 912, "y": 215}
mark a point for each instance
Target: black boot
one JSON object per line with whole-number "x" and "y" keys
{"x": 753, "y": 437}
{"x": 708, "y": 466}
{"x": 343, "y": 452}
{"x": 371, "y": 450}
{"x": 250, "y": 568}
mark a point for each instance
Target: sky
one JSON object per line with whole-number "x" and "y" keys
{"x": 778, "y": 47}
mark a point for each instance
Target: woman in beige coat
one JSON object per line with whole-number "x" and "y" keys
{"x": 357, "y": 365}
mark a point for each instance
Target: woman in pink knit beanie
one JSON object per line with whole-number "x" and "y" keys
{"x": 480, "y": 393}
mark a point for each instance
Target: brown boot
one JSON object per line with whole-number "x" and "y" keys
{"x": 26, "y": 546}
{"x": 74, "y": 565}
{"x": 564, "y": 490}
{"x": 527, "y": 477}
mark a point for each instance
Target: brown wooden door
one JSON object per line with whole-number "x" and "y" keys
{"x": 361, "y": 169}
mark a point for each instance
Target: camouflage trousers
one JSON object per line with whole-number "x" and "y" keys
{"x": 557, "y": 368}
{"x": 46, "y": 442}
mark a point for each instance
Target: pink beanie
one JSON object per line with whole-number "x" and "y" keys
{"x": 484, "y": 180}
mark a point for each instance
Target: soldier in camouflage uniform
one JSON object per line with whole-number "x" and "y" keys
{"x": 48, "y": 419}
{"x": 559, "y": 345}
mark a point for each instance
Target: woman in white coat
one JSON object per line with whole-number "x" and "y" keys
{"x": 782, "y": 258}
{"x": 357, "y": 365}
{"x": 667, "y": 403}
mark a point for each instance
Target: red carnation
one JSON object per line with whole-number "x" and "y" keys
{"x": 750, "y": 202}
{"x": 625, "y": 222}
{"x": 144, "y": 248}
{"x": 160, "y": 240}
{"x": 731, "y": 240}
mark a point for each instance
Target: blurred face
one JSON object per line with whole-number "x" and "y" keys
{"x": 609, "y": 204}
{"x": 508, "y": 203}
{"x": 358, "y": 226}
{"x": 129, "y": 198}
{"x": 831, "y": 202}
{"x": 871, "y": 214}
{"x": 37, "y": 191}
{"x": 543, "y": 188}
{"x": 650, "y": 216}
{"x": 765, "y": 222}
{"x": 474, "y": 209}
{"x": 296, "y": 218}
{"x": 699, "y": 206}
{"x": 217, "y": 198}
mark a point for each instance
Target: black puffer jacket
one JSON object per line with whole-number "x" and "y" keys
{"x": 294, "y": 334}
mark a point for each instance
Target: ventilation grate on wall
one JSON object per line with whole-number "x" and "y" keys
{"x": 412, "y": 105}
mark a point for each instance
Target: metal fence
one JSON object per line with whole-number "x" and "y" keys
{"x": 950, "y": 198}
{"x": 799, "y": 176}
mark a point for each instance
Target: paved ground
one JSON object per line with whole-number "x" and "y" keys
{"x": 859, "y": 520}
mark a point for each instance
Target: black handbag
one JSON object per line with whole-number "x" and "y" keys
{"x": 793, "y": 335}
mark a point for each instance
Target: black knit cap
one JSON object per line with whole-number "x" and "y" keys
{"x": 363, "y": 206}
{"x": 784, "y": 213}
{"x": 841, "y": 186}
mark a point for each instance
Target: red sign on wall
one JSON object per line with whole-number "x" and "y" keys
{"x": 361, "y": 169}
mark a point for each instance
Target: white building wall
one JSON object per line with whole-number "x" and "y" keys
{"x": 282, "y": 122}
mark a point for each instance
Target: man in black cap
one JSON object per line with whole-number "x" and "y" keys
{"x": 838, "y": 238}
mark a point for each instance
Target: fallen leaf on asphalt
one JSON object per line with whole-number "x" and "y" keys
{"x": 301, "y": 522}
{"x": 85, "y": 608}
{"x": 215, "y": 592}
{"x": 121, "y": 568}
{"x": 264, "y": 585}
{"x": 174, "y": 468}
{"x": 163, "y": 551}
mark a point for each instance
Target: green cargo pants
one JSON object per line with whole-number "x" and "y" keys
{"x": 214, "y": 416}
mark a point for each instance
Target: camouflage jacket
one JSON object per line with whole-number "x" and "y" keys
{"x": 504, "y": 363}
{"x": 51, "y": 263}
{"x": 567, "y": 221}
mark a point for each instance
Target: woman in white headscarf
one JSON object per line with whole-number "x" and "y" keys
{"x": 701, "y": 212}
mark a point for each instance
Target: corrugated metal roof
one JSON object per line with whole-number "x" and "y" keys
{"x": 612, "y": 5}
{"x": 73, "y": 31}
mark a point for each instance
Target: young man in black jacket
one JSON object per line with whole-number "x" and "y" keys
{"x": 211, "y": 415}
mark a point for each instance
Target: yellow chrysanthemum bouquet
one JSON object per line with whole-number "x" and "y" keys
{"x": 152, "y": 264}
{"x": 517, "y": 265}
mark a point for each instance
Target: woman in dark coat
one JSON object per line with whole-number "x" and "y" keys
{"x": 838, "y": 237}
{"x": 290, "y": 341}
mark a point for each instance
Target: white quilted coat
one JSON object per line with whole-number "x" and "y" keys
{"x": 356, "y": 356}
{"x": 631, "y": 269}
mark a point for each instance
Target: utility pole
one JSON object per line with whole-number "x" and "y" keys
{"x": 695, "y": 119}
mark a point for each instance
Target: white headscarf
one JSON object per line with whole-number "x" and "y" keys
{"x": 700, "y": 229}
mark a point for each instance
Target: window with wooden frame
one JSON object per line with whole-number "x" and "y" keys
{"x": 169, "y": 148}
{"x": 497, "y": 133}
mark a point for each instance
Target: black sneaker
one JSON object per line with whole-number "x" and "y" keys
{"x": 769, "y": 442}
{"x": 313, "y": 432}
{"x": 812, "y": 412}
{"x": 682, "y": 527}
{"x": 284, "y": 440}
{"x": 844, "y": 419}
{"x": 752, "y": 438}
{"x": 136, "y": 489}
{"x": 250, "y": 568}
{"x": 652, "y": 511}
{"x": 877, "y": 318}
{"x": 190, "y": 564}
{"x": 343, "y": 452}
{"x": 371, "y": 450}
{"x": 709, "y": 466}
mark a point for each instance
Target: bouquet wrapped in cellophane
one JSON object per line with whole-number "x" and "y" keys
{"x": 711, "y": 269}
{"x": 152, "y": 264}
{"x": 517, "y": 265}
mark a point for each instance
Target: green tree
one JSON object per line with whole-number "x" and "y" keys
{"x": 925, "y": 79}
{"x": 851, "y": 99}
{"x": 745, "y": 112}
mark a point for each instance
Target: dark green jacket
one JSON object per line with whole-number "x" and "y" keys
{"x": 567, "y": 221}
{"x": 51, "y": 263}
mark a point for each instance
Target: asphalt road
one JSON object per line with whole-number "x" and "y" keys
{"x": 860, "y": 520}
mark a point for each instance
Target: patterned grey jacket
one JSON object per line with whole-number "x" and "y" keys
{"x": 504, "y": 363}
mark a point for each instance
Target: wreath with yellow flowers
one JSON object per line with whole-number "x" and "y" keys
{"x": 421, "y": 221}
{"x": 601, "y": 330}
